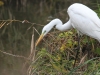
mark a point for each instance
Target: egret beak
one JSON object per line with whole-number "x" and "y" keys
{"x": 40, "y": 38}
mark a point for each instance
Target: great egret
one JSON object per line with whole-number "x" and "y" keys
{"x": 81, "y": 17}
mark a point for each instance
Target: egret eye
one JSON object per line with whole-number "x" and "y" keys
{"x": 44, "y": 31}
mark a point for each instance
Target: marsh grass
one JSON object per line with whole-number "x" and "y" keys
{"x": 15, "y": 45}
{"x": 56, "y": 55}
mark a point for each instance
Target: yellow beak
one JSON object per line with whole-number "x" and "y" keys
{"x": 40, "y": 38}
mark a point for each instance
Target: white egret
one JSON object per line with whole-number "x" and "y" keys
{"x": 81, "y": 17}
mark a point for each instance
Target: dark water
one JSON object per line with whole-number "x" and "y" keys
{"x": 15, "y": 38}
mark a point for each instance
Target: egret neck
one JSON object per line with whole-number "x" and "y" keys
{"x": 63, "y": 27}
{"x": 58, "y": 25}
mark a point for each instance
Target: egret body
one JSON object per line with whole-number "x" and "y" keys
{"x": 81, "y": 17}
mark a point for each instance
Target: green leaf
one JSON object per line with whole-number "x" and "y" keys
{"x": 97, "y": 51}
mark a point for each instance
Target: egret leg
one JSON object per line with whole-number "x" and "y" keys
{"x": 88, "y": 48}
{"x": 77, "y": 52}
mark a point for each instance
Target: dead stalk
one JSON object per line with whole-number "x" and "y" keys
{"x": 32, "y": 54}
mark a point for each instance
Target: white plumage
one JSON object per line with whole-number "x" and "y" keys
{"x": 84, "y": 20}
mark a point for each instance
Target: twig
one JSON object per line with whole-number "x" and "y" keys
{"x": 14, "y": 55}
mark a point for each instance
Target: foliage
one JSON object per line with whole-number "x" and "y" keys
{"x": 56, "y": 56}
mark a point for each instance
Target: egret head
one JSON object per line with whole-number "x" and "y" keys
{"x": 45, "y": 30}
